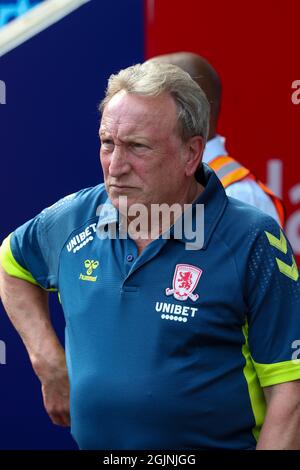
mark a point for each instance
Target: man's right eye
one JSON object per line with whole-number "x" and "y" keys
{"x": 107, "y": 144}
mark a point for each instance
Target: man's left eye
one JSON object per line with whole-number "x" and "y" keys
{"x": 138, "y": 145}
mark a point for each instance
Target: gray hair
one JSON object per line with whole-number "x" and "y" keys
{"x": 153, "y": 79}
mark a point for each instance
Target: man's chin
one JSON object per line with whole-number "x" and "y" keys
{"x": 122, "y": 202}
{"x": 119, "y": 193}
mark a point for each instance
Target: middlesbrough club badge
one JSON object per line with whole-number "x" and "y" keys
{"x": 185, "y": 280}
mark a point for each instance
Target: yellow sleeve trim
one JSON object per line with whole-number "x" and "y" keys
{"x": 272, "y": 374}
{"x": 256, "y": 394}
{"x": 11, "y": 266}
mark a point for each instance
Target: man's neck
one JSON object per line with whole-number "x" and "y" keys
{"x": 157, "y": 224}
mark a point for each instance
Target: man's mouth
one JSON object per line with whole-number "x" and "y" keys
{"x": 120, "y": 186}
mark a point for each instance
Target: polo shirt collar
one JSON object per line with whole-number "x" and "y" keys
{"x": 214, "y": 201}
{"x": 108, "y": 215}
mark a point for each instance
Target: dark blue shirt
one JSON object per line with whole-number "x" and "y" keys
{"x": 169, "y": 349}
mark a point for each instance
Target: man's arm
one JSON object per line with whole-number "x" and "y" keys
{"x": 27, "y": 307}
{"x": 281, "y": 429}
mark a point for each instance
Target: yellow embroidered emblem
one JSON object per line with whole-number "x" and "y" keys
{"x": 90, "y": 266}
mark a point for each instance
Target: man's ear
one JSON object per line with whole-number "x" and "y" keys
{"x": 194, "y": 151}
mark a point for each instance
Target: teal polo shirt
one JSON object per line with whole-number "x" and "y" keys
{"x": 169, "y": 349}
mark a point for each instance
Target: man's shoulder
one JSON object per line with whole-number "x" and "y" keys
{"x": 249, "y": 191}
{"x": 81, "y": 198}
{"x": 243, "y": 223}
{"x": 70, "y": 215}
{"x": 77, "y": 206}
{"x": 247, "y": 214}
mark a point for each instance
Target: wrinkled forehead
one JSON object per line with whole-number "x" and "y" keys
{"x": 129, "y": 113}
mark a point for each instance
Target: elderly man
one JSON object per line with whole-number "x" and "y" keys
{"x": 170, "y": 343}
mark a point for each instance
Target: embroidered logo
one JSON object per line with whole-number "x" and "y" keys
{"x": 185, "y": 280}
{"x": 90, "y": 266}
{"x": 175, "y": 312}
{"x": 82, "y": 238}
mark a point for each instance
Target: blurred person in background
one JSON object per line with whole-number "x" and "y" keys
{"x": 238, "y": 181}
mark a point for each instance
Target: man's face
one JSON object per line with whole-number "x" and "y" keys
{"x": 142, "y": 154}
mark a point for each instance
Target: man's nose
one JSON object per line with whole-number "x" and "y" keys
{"x": 119, "y": 164}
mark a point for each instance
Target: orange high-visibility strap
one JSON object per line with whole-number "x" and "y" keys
{"x": 230, "y": 171}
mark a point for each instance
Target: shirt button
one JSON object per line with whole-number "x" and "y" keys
{"x": 129, "y": 258}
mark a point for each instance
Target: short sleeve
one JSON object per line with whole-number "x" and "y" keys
{"x": 32, "y": 251}
{"x": 273, "y": 299}
{"x": 24, "y": 254}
